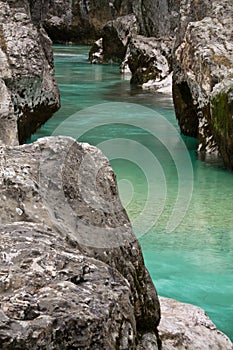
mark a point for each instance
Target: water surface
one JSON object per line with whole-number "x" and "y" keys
{"x": 194, "y": 263}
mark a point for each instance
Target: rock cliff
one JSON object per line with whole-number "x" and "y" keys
{"x": 203, "y": 72}
{"x": 83, "y": 21}
{"x": 72, "y": 272}
{"x": 197, "y": 46}
{"x": 29, "y": 93}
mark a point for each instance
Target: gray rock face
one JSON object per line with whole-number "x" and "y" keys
{"x": 30, "y": 93}
{"x": 83, "y": 21}
{"x": 156, "y": 18}
{"x": 203, "y": 60}
{"x": 96, "y": 52}
{"x": 116, "y": 37}
{"x": 54, "y": 297}
{"x": 149, "y": 59}
{"x": 76, "y": 21}
{"x": 72, "y": 271}
{"x": 187, "y": 327}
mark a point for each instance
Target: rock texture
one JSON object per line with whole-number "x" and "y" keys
{"x": 157, "y": 18}
{"x": 83, "y": 21}
{"x": 149, "y": 59}
{"x": 186, "y": 327}
{"x": 72, "y": 272}
{"x": 76, "y": 21}
{"x": 96, "y": 53}
{"x": 116, "y": 37}
{"x": 29, "y": 93}
{"x": 203, "y": 71}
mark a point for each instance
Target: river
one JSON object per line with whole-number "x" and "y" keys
{"x": 192, "y": 259}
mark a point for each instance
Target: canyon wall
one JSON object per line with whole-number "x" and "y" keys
{"x": 29, "y": 92}
{"x": 203, "y": 75}
{"x": 83, "y": 21}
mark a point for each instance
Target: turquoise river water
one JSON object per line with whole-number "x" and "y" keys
{"x": 193, "y": 262}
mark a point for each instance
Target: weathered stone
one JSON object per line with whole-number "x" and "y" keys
{"x": 54, "y": 297}
{"x": 83, "y": 21}
{"x": 221, "y": 111}
{"x": 26, "y": 72}
{"x": 96, "y": 52}
{"x": 8, "y": 122}
{"x": 156, "y": 18}
{"x": 70, "y": 188}
{"x": 76, "y": 21}
{"x": 116, "y": 36}
{"x": 187, "y": 327}
{"x": 203, "y": 59}
{"x": 149, "y": 59}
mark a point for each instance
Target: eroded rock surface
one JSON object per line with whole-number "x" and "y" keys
{"x": 116, "y": 37}
{"x": 187, "y": 327}
{"x": 64, "y": 232}
{"x": 83, "y": 21}
{"x": 29, "y": 91}
{"x": 149, "y": 59}
{"x": 203, "y": 71}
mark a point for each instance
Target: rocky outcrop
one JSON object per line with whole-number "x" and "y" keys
{"x": 150, "y": 60}
{"x": 29, "y": 93}
{"x": 83, "y": 21}
{"x": 187, "y": 327}
{"x": 76, "y": 21}
{"x": 96, "y": 53}
{"x": 72, "y": 272}
{"x": 221, "y": 112}
{"x": 202, "y": 79}
{"x": 116, "y": 37}
{"x": 156, "y": 18}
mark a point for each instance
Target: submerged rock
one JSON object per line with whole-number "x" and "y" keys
{"x": 203, "y": 60}
{"x": 72, "y": 271}
{"x": 187, "y": 327}
{"x": 30, "y": 92}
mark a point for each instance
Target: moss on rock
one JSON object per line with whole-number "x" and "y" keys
{"x": 222, "y": 120}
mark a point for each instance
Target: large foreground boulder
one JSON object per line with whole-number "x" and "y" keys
{"x": 54, "y": 297}
{"x": 29, "y": 92}
{"x": 72, "y": 271}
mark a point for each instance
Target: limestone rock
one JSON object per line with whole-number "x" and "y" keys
{"x": 221, "y": 112}
{"x": 54, "y": 297}
{"x": 149, "y": 59}
{"x": 63, "y": 195}
{"x": 203, "y": 59}
{"x": 116, "y": 36}
{"x": 96, "y": 52}
{"x": 27, "y": 76}
{"x": 187, "y": 327}
{"x": 83, "y": 21}
{"x": 8, "y": 122}
{"x": 76, "y": 21}
{"x": 156, "y": 18}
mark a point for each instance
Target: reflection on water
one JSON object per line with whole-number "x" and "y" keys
{"x": 194, "y": 263}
